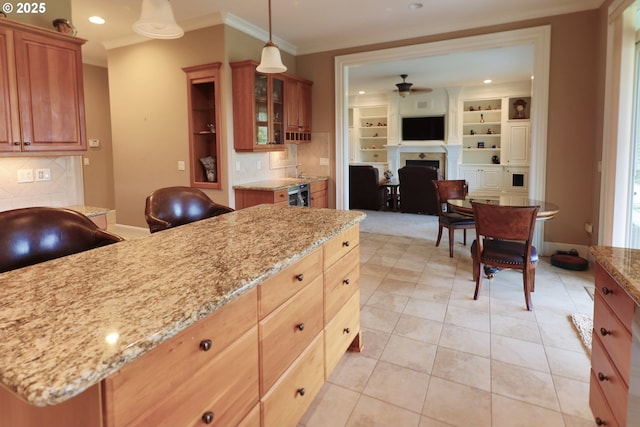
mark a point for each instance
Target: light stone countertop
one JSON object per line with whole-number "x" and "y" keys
{"x": 278, "y": 183}
{"x": 55, "y": 316}
{"x": 89, "y": 211}
{"x": 624, "y": 266}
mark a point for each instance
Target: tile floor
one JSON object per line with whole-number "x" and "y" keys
{"x": 435, "y": 357}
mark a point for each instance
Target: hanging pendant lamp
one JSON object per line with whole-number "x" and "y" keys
{"x": 271, "y": 62}
{"x": 157, "y": 21}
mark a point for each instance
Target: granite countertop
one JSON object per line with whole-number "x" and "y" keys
{"x": 68, "y": 323}
{"x": 278, "y": 183}
{"x": 89, "y": 210}
{"x": 624, "y": 266}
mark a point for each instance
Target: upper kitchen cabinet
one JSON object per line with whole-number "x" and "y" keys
{"x": 258, "y": 108}
{"x": 203, "y": 93}
{"x": 41, "y": 91}
{"x": 297, "y": 93}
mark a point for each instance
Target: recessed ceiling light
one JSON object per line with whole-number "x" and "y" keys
{"x": 96, "y": 20}
{"x": 415, "y": 6}
{"x": 487, "y": 81}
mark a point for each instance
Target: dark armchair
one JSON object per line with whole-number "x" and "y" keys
{"x": 417, "y": 193}
{"x": 365, "y": 191}
{"x": 172, "y": 206}
{"x": 33, "y": 235}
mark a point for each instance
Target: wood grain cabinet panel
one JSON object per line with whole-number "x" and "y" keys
{"x": 609, "y": 380}
{"x": 341, "y": 332}
{"x": 248, "y": 198}
{"x": 613, "y": 335}
{"x": 341, "y": 281}
{"x": 615, "y": 296}
{"x": 318, "y": 193}
{"x": 338, "y": 247}
{"x": 599, "y": 405}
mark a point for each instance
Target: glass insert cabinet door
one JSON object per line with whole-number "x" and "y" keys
{"x": 269, "y": 94}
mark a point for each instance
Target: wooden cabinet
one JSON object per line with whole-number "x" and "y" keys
{"x": 258, "y": 108}
{"x": 41, "y": 90}
{"x": 203, "y": 97}
{"x": 319, "y": 194}
{"x": 297, "y": 93}
{"x": 611, "y": 353}
{"x": 247, "y": 198}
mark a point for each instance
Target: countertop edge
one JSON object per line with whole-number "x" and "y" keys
{"x": 621, "y": 263}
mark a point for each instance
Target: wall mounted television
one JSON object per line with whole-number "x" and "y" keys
{"x": 424, "y": 128}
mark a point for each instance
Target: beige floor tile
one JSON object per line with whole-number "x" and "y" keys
{"x": 523, "y": 329}
{"x": 465, "y": 300}
{"x": 374, "y": 342}
{"x": 374, "y": 269}
{"x": 432, "y": 293}
{"x": 575, "y": 365}
{"x": 463, "y": 368}
{"x": 523, "y": 384}
{"x": 370, "y": 412}
{"x": 404, "y": 274}
{"x": 466, "y": 318}
{"x": 426, "y": 309}
{"x": 397, "y": 287}
{"x": 518, "y": 352}
{"x": 332, "y": 407}
{"x": 560, "y": 334}
{"x": 397, "y": 385}
{"x": 572, "y": 421}
{"x": 457, "y": 404}
{"x": 430, "y": 422}
{"x": 417, "y": 328}
{"x": 573, "y": 396}
{"x": 465, "y": 339}
{"x": 353, "y": 372}
{"x": 513, "y": 413}
{"x": 378, "y": 319}
{"x": 409, "y": 353}
{"x": 386, "y": 301}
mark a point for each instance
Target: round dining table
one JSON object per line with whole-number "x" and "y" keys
{"x": 546, "y": 211}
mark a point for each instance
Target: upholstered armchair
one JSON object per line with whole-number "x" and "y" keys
{"x": 417, "y": 192}
{"x": 365, "y": 191}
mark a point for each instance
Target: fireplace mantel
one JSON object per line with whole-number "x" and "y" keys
{"x": 451, "y": 153}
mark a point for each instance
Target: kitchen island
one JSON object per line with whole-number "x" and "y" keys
{"x": 214, "y": 322}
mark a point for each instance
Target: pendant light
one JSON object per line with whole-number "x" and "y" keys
{"x": 271, "y": 62}
{"x": 157, "y": 21}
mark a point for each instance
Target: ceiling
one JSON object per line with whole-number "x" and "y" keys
{"x": 308, "y": 26}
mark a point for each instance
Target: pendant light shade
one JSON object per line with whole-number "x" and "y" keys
{"x": 271, "y": 62}
{"x": 157, "y": 21}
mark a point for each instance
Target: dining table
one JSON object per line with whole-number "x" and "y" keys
{"x": 546, "y": 211}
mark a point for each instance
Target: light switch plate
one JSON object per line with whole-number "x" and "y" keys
{"x": 25, "y": 175}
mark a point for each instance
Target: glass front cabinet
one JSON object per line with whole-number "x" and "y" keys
{"x": 203, "y": 90}
{"x": 259, "y": 97}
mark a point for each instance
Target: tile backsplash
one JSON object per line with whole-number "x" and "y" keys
{"x": 64, "y": 189}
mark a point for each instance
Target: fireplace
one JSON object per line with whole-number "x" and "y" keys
{"x": 434, "y": 163}
{"x": 443, "y": 156}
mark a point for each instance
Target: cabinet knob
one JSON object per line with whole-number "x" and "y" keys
{"x": 346, "y": 281}
{"x": 300, "y": 277}
{"x": 602, "y": 377}
{"x": 27, "y": 143}
{"x": 604, "y": 332}
{"x": 600, "y": 422}
{"x": 205, "y": 345}
{"x": 607, "y": 291}
{"x": 207, "y": 417}
{"x": 346, "y": 330}
{"x": 300, "y": 326}
{"x": 301, "y": 391}
{"x": 16, "y": 143}
{"x": 345, "y": 243}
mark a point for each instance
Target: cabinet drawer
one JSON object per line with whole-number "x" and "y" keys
{"x": 147, "y": 380}
{"x": 340, "y": 333}
{"x": 224, "y": 391}
{"x": 252, "y": 419}
{"x": 341, "y": 280}
{"x": 338, "y": 247}
{"x": 289, "y": 330}
{"x": 609, "y": 380}
{"x": 289, "y": 399}
{"x": 318, "y": 186}
{"x": 614, "y": 337}
{"x": 279, "y": 288}
{"x": 621, "y": 304}
{"x": 599, "y": 406}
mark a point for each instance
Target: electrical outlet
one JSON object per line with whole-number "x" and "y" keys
{"x": 588, "y": 227}
{"x": 181, "y": 165}
{"x": 25, "y": 175}
{"x": 94, "y": 143}
{"x": 324, "y": 161}
{"x": 43, "y": 174}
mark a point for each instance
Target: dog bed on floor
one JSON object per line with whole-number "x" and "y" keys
{"x": 569, "y": 262}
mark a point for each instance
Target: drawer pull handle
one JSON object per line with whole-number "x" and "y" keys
{"x": 27, "y": 143}
{"x": 300, "y": 277}
{"x": 16, "y": 143}
{"x": 207, "y": 417}
{"x": 346, "y": 330}
{"x": 301, "y": 391}
{"x": 607, "y": 291}
{"x": 205, "y": 345}
{"x": 346, "y": 281}
{"x": 604, "y": 332}
{"x": 300, "y": 327}
{"x": 600, "y": 422}
{"x": 602, "y": 377}
{"x": 345, "y": 243}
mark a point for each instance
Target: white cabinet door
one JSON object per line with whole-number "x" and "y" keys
{"x": 517, "y": 143}
{"x": 516, "y": 179}
{"x": 471, "y": 174}
{"x": 491, "y": 178}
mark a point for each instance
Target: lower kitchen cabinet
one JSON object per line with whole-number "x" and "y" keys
{"x": 318, "y": 194}
{"x": 248, "y": 198}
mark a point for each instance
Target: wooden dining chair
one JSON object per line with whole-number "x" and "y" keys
{"x": 504, "y": 240}
{"x": 445, "y": 190}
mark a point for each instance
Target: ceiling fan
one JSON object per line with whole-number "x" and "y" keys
{"x": 404, "y": 88}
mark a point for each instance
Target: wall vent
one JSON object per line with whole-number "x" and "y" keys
{"x": 422, "y": 105}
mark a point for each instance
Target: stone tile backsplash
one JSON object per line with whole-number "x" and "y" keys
{"x": 64, "y": 189}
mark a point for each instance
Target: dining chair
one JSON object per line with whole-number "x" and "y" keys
{"x": 173, "y": 206}
{"x": 445, "y": 190}
{"x": 37, "y": 234}
{"x": 504, "y": 240}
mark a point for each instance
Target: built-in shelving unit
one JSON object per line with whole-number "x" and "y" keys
{"x": 372, "y": 123}
{"x": 482, "y": 131}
